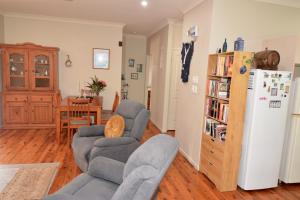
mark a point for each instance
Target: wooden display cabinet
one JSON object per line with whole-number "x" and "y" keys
{"x": 227, "y": 84}
{"x": 30, "y": 85}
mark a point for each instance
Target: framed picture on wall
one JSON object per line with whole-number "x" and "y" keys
{"x": 101, "y": 58}
{"x": 131, "y": 62}
{"x": 139, "y": 68}
{"x": 134, "y": 76}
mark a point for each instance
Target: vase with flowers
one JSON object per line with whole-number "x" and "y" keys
{"x": 96, "y": 86}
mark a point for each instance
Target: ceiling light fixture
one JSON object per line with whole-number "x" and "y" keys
{"x": 144, "y": 3}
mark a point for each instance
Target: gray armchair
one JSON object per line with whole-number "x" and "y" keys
{"x": 89, "y": 142}
{"x": 138, "y": 179}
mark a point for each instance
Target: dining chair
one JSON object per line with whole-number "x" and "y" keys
{"x": 106, "y": 114}
{"x": 78, "y": 115}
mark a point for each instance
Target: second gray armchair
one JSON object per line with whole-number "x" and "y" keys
{"x": 89, "y": 142}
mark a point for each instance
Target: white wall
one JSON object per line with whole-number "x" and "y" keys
{"x": 1, "y": 29}
{"x": 190, "y": 107}
{"x": 77, "y": 39}
{"x": 157, "y": 46}
{"x": 297, "y": 56}
{"x": 1, "y": 41}
{"x": 286, "y": 47}
{"x": 253, "y": 21}
{"x": 135, "y": 48}
{"x": 256, "y": 23}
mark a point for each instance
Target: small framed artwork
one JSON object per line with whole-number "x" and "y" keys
{"x": 101, "y": 58}
{"x": 131, "y": 62}
{"x": 139, "y": 68}
{"x": 134, "y": 76}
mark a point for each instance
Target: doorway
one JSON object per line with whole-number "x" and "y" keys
{"x": 134, "y": 68}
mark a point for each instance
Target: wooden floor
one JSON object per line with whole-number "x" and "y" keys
{"x": 181, "y": 182}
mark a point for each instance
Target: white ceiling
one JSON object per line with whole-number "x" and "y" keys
{"x": 138, "y": 20}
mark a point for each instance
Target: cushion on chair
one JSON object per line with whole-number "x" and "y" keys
{"x": 88, "y": 187}
{"x": 114, "y": 127}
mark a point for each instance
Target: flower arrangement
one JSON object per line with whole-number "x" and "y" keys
{"x": 96, "y": 85}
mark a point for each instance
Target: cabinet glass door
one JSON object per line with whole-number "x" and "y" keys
{"x": 42, "y": 71}
{"x": 17, "y": 72}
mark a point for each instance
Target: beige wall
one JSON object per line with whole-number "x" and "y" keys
{"x": 217, "y": 20}
{"x": 190, "y": 106}
{"x": 253, "y": 21}
{"x": 78, "y": 40}
{"x": 158, "y": 45}
{"x": 297, "y": 57}
{"x": 1, "y": 41}
{"x": 286, "y": 46}
{"x": 135, "y": 48}
{"x": 1, "y": 29}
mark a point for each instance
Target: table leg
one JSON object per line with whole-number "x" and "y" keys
{"x": 58, "y": 136}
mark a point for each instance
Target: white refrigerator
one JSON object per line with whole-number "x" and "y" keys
{"x": 290, "y": 164}
{"x": 264, "y": 128}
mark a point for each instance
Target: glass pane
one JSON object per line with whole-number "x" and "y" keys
{"x": 17, "y": 82}
{"x": 16, "y": 70}
{"x": 16, "y": 64}
{"x": 42, "y": 82}
{"x": 42, "y": 66}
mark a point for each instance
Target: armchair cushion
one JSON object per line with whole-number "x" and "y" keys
{"x": 88, "y": 187}
{"x": 106, "y": 168}
{"x": 108, "y": 142}
{"x": 90, "y": 131}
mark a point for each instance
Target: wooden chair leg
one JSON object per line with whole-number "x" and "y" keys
{"x": 68, "y": 137}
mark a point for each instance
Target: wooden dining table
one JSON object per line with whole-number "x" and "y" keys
{"x": 95, "y": 107}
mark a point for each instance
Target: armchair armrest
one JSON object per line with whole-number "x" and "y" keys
{"x": 108, "y": 142}
{"x": 90, "y": 131}
{"x": 115, "y": 148}
{"x": 106, "y": 168}
{"x": 61, "y": 197}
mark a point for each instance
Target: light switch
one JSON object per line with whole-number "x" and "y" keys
{"x": 194, "y": 89}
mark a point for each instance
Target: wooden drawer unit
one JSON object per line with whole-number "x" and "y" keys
{"x": 41, "y": 98}
{"x": 16, "y": 113}
{"x": 212, "y": 170}
{"x": 29, "y": 85}
{"x": 225, "y": 101}
{"x": 16, "y": 98}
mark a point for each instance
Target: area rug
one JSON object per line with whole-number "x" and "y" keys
{"x": 26, "y": 181}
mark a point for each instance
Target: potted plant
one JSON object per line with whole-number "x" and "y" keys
{"x": 96, "y": 86}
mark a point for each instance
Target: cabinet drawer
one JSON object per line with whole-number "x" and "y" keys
{"x": 213, "y": 157}
{"x": 16, "y": 98}
{"x": 212, "y": 170}
{"x": 41, "y": 98}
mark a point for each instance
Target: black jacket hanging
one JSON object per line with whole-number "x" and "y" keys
{"x": 186, "y": 58}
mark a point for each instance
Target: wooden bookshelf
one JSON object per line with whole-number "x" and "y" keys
{"x": 225, "y": 99}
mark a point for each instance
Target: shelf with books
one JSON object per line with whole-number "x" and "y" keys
{"x": 219, "y": 88}
{"x": 218, "y": 98}
{"x": 226, "y": 93}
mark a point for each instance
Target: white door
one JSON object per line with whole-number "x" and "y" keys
{"x": 175, "y": 67}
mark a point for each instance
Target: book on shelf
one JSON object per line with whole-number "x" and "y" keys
{"x": 224, "y": 65}
{"x": 223, "y": 112}
{"x": 219, "y": 88}
{"x": 217, "y": 110}
{"x": 215, "y": 129}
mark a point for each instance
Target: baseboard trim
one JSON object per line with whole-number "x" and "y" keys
{"x": 189, "y": 159}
